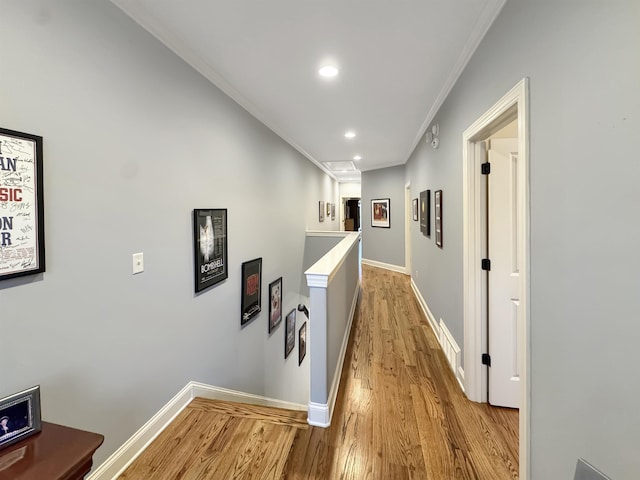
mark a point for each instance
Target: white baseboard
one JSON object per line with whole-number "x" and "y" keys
{"x": 447, "y": 342}
{"x": 113, "y": 467}
{"x": 320, "y": 414}
{"x": 386, "y": 266}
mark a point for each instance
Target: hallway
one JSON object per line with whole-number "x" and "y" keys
{"x": 400, "y": 413}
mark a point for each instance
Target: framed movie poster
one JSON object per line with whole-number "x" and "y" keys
{"x": 210, "y": 246}
{"x": 21, "y": 205}
{"x": 290, "y": 333}
{"x": 415, "y": 209}
{"x": 302, "y": 343}
{"x": 438, "y": 214}
{"x": 380, "y": 216}
{"x": 425, "y": 213}
{"x": 275, "y": 304}
{"x": 251, "y": 289}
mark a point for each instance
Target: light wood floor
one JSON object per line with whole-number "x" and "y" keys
{"x": 400, "y": 414}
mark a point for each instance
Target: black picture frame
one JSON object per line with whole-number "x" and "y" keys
{"x": 289, "y": 333}
{"x": 209, "y": 247}
{"x": 21, "y": 204}
{"x": 302, "y": 343}
{"x": 275, "y": 304}
{"x": 381, "y": 213}
{"x": 251, "y": 290}
{"x": 438, "y": 216}
{"x": 425, "y": 213}
{"x": 414, "y": 204}
{"x": 19, "y": 416}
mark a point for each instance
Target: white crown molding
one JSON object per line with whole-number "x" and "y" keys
{"x": 177, "y": 45}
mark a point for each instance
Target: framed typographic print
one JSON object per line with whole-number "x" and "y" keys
{"x": 21, "y": 204}
{"x": 251, "y": 289}
{"x": 209, "y": 246}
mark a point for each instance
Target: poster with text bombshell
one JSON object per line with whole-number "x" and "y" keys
{"x": 210, "y": 246}
{"x": 21, "y": 204}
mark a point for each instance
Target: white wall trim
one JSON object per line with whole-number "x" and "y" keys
{"x": 320, "y": 414}
{"x": 113, "y": 467}
{"x": 386, "y": 266}
{"x": 326, "y": 233}
{"x": 451, "y": 351}
{"x": 425, "y": 309}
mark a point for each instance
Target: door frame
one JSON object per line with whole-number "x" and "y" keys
{"x": 408, "y": 208}
{"x": 513, "y": 105}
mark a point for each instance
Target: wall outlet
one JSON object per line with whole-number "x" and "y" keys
{"x": 138, "y": 263}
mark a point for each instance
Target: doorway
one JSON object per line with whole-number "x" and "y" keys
{"x": 351, "y": 214}
{"x": 514, "y": 105}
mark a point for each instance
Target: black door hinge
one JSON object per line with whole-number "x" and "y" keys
{"x": 485, "y": 168}
{"x": 486, "y": 359}
{"x": 486, "y": 264}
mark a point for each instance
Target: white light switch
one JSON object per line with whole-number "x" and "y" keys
{"x": 138, "y": 263}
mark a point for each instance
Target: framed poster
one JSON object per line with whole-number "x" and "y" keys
{"x": 380, "y": 215}
{"x": 19, "y": 416}
{"x": 275, "y": 304}
{"x": 21, "y": 205}
{"x": 302, "y": 343}
{"x": 415, "y": 209}
{"x": 333, "y": 211}
{"x": 425, "y": 213}
{"x": 328, "y": 209}
{"x": 321, "y": 211}
{"x": 251, "y": 289}
{"x": 290, "y": 333}
{"x": 438, "y": 215}
{"x": 210, "y": 247}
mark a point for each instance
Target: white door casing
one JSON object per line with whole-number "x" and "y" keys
{"x": 505, "y": 316}
{"x": 408, "y": 209}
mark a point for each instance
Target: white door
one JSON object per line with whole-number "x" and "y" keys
{"x": 504, "y": 313}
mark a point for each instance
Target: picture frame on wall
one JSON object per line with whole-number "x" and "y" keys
{"x": 290, "y": 333}
{"x": 209, "y": 247}
{"x": 275, "y": 304}
{"x": 425, "y": 213}
{"x": 438, "y": 217}
{"x": 321, "y": 211}
{"x": 380, "y": 213}
{"x": 415, "y": 209}
{"x": 251, "y": 290}
{"x": 333, "y": 211}
{"x": 19, "y": 416}
{"x": 21, "y": 204}
{"x": 328, "y": 209}
{"x": 302, "y": 343}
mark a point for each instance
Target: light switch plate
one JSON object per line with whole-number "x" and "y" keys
{"x": 138, "y": 263}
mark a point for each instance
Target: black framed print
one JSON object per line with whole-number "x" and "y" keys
{"x": 438, "y": 217}
{"x": 275, "y": 304}
{"x": 380, "y": 214}
{"x": 21, "y": 204}
{"x": 415, "y": 209}
{"x": 425, "y": 213}
{"x": 210, "y": 246}
{"x": 19, "y": 416}
{"x": 302, "y": 343}
{"x": 289, "y": 333}
{"x": 251, "y": 289}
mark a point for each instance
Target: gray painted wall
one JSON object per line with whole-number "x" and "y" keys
{"x": 134, "y": 139}
{"x": 584, "y": 69}
{"x": 384, "y": 245}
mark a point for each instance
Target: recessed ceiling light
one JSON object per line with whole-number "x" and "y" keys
{"x": 328, "y": 71}
{"x": 357, "y": 157}
{"x": 350, "y": 134}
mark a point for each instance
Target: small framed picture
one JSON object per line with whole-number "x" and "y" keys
{"x": 275, "y": 304}
{"x": 333, "y": 211}
{"x": 19, "y": 416}
{"x": 251, "y": 289}
{"x": 209, "y": 246}
{"x": 290, "y": 333}
{"x": 425, "y": 213}
{"x": 302, "y": 343}
{"x": 415, "y": 209}
{"x": 328, "y": 209}
{"x": 438, "y": 215}
{"x": 380, "y": 215}
{"x": 321, "y": 211}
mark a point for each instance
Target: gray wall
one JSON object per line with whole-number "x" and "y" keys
{"x": 584, "y": 69}
{"x": 134, "y": 139}
{"x": 384, "y": 245}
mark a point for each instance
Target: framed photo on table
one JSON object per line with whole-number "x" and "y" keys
{"x": 380, "y": 214}
{"x": 209, "y": 246}
{"x": 21, "y": 204}
{"x": 19, "y": 416}
{"x": 275, "y": 304}
{"x": 251, "y": 289}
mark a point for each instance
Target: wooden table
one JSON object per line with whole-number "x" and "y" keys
{"x": 56, "y": 453}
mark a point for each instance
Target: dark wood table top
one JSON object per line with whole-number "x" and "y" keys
{"x": 55, "y": 453}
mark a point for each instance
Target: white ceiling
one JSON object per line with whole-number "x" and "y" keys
{"x": 398, "y": 60}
